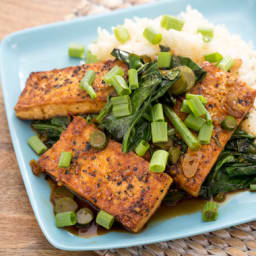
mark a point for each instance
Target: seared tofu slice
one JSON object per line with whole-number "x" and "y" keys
{"x": 226, "y": 96}
{"x": 116, "y": 182}
{"x": 57, "y": 92}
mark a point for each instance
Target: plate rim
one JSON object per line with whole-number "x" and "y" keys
{"x": 20, "y": 159}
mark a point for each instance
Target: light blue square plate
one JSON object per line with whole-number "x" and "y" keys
{"x": 45, "y": 48}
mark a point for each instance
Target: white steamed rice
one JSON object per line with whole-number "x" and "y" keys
{"x": 185, "y": 43}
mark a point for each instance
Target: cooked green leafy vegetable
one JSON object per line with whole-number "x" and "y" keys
{"x": 235, "y": 168}
{"x": 153, "y": 88}
{"x": 50, "y": 130}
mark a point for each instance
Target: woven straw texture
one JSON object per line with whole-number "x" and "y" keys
{"x": 236, "y": 241}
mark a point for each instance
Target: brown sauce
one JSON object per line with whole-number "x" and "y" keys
{"x": 184, "y": 207}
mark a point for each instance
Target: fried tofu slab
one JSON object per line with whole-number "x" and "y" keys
{"x": 226, "y": 96}
{"x": 57, "y": 92}
{"x": 116, "y": 182}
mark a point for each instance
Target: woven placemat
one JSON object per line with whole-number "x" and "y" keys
{"x": 236, "y": 241}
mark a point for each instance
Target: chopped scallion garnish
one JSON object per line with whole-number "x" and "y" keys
{"x": 122, "y": 110}
{"x": 252, "y": 187}
{"x": 171, "y": 22}
{"x": 205, "y": 133}
{"x": 196, "y": 107}
{"x": 116, "y": 70}
{"x": 89, "y": 77}
{"x": 158, "y": 161}
{"x": 76, "y": 50}
{"x": 125, "y": 99}
{"x": 181, "y": 128}
{"x": 164, "y": 59}
{"x": 89, "y": 89}
{"x": 142, "y": 148}
{"x": 90, "y": 58}
{"x": 86, "y": 83}
{"x": 37, "y": 145}
{"x": 157, "y": 112}
{"x": 207, "y": 33}
{"x": 104, "y": 219}
{"x": 121, "y": 34}
{"x": 213, "y": 57}
{"x": 210, "y": 211}
{"x": 159, "y": 132}
{"x": 65, "y": 159}
{"x": 65, "y": 219}
{"x": 201, "y": 97}
{"x": 226, "y": 63}
{"x": 133, "y": 79}
{"x": 152, "y": 36}
{"x": 184, "y": 107}
{"x": 229, "y": 123}
{"x": 120, "y": 85}
{"x": 194, "y": 123}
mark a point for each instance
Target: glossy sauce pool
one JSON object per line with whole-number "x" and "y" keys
{"x": 187, "y": 206}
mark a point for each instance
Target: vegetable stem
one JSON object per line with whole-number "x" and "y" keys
{"x": 181, "y": 128}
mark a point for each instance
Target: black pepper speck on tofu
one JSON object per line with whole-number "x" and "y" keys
{"x": 116, "y": 182}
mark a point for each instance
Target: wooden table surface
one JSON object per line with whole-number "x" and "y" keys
{"x": 19, "y": 231}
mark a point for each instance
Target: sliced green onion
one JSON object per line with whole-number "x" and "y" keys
{"x": 196, "y": 107}
{"x": 65, "y": 219}
{"x": 194, "y": 123}
{"x": 90, "y": 58}
{"x": 116, "y": 70}
{"x": 158, "y": 161}
{"x": 252, "y": 187}
{"x": 89, "y": 89}
{"x": 157, "y": 112}
{"x": 184, "y": 107}
{"x": 37, "y": 145}
{"x": 201, "y": 97}
{"x": 122, "y": 110}
{"x": 226, "y": 63}
{"x": 207, "y": 33}
{"x": 208, "y": 118}
{"x": 174, "y": 154}
{"x": 120, "y": 85}
{"x": 87, "y": 81}
{"x": 125, "y": 99}
{"x": 151, "y": 36}
{"x": 65, "y": 159}
{"x": 159, "y": 132}
{"x": 210, "y": 211}
{"x": 171, "y": 132}
{"x": 181, "y": 128}
{"x": 76, "y": 50}
{"x": 104, "y": 219}
{"x": 84, "y": 216}
{"x": 229, "y": 123}
{"x": 205, "y": 133}
{"x": 98, "y": 139}
{"x": 65, "y": 204}
{"x": 164, "y": 59}
{"x": 142, "y": 148}
{"x": 133, "y": 79}
{"x": 171, "y": 22}
{"x": 215, "y": 57}
{"x": 122, "y": 34}
{"x": 89, "y": 77}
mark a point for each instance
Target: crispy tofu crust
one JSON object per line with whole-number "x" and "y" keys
{"x": 57, "y": 92}
{"x": 119, "y": 183}
{"x": 226, "y": 96}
